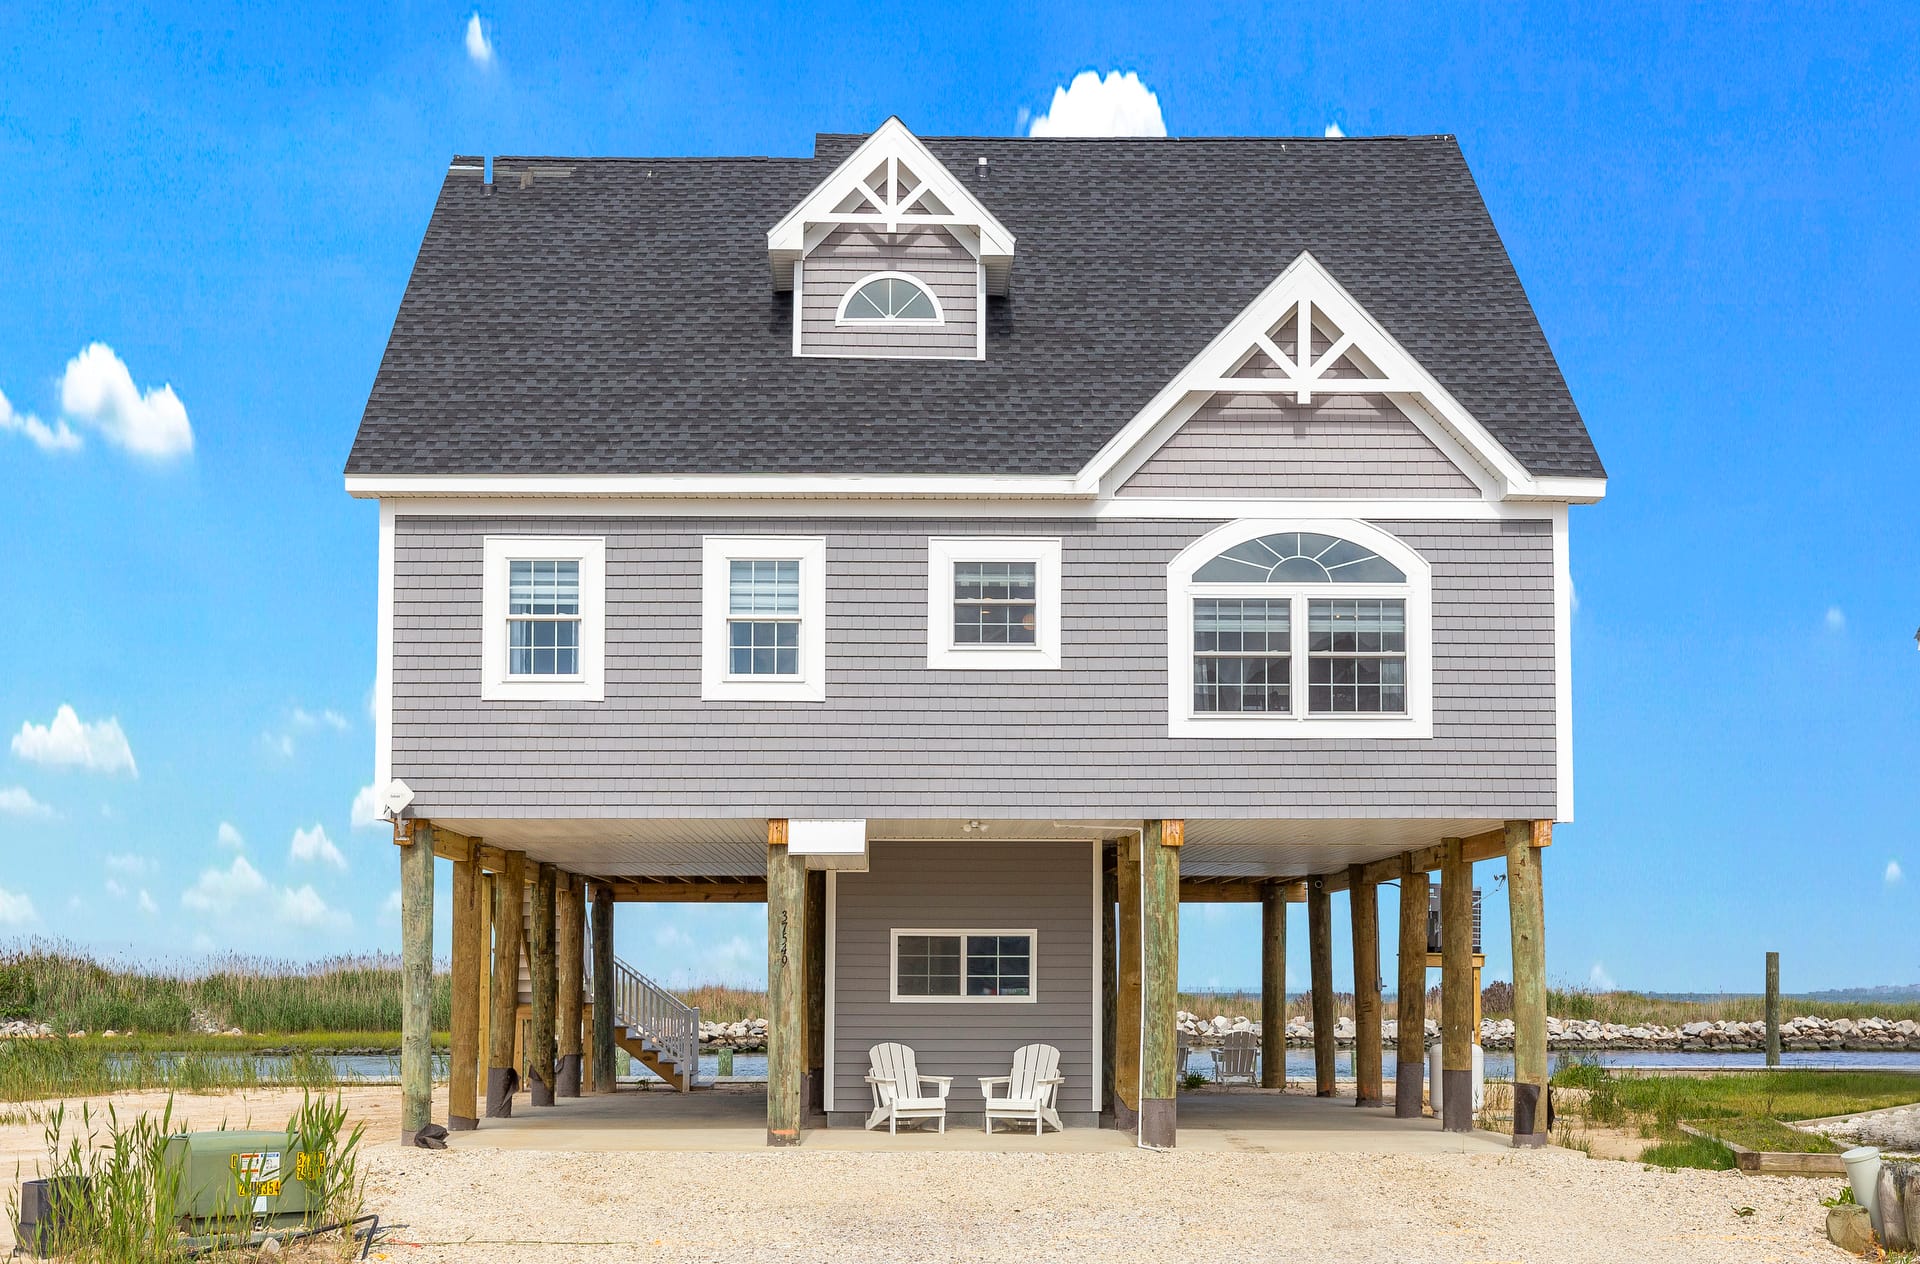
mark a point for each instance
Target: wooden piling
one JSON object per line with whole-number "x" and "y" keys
{"x": 570, "y": 989}
{"x": 1126, "y": 1036}
{"x": 1160, "y": 982}
{"x": 786, "y": 986}
{"x": 416, "y": 981}
{"x": 463, "y": 1037}
{"x": 1410, "y": 1047}
{"x": 1364, "y": 904}
{"x": 1109, "y": 972}
{"x": 603, "y": 1060}
{"x": 483, "y": 979}
{"x": 1273, "y": 986}
{"x": 543, "y": 968}
{"x": 1527, "y": 913}
{"x": 814, "y": 1095}
{"x": 509, "y": 895}
{"x": 1320, "y": 963}
{"x": 1456, "y": 988}
{"x": 1773, "y": 1009}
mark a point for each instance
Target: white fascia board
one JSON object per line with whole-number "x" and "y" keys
{"x": 1209, "y": 509}
{"x": 383, "y": 655}
{"x": 1562, "y": 489}
{"x": 371, "y": 486}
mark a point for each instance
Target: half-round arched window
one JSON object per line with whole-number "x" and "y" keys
{"x": 1310, "y": 629}
{"x": 889, "y": 298}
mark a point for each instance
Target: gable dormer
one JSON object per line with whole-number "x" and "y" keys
{"x": 890, "y": 257}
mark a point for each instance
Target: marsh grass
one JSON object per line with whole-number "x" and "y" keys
{"x": 724, "y": 1002}
{"x": 1686, "y": 1151}
{"x": 33, "y": 1070}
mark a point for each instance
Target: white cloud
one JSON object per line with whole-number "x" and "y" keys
{"x": 314, "y": 847}
{"x": 98, "y": 391}
{"x": 1836, "y": 619}
{"x": 304, "y": 908}
{"x": 114, "y": 888}
{"x": 479, "y": 47}
{"x": 230, "y": 838}
{"x": 15, "y": 801}
{"x": 305, "y": 719}
{"x": 128, "y": 865}
{"x": 1333, "y": 132}
{"x": 1118, "y": 105}
{"x": 223, "y": 890}
{"x": 70, "y": 743}
{"x": 16, "y": 909}
{"x": 1895, "y": 873}
{"x": 280, "y": 744}
{"x": 1599, "y": 979}
{"x": 147, "y": 905}
{"x": 59, "y": 437}
{"x": 366, "y": 808}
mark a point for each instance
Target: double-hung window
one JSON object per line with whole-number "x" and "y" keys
{"x": 963, "y": 965}
{"x": 543, "y": 610}
{"x": 993, "y": 603}
{"x": 1300, "y": 630}
{"x": 764, "y": 618}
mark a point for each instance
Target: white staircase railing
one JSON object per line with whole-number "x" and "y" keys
{"x": 652, "y": 1013}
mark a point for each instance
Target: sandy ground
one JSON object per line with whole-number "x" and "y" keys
{"x": 475, "y": 1203}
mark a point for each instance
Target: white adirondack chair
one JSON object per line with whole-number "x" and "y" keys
{"x": 897, "y": 1085}
{"x": 1234, "y": 1060}
{"x": 1027, "y": 1093}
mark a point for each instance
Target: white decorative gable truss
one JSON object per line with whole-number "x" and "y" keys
{"x": 891, "y": 182}
{"x": 1306, "y": 338}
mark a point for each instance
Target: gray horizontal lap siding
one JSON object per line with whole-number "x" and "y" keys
{"x": 997, "y": 885}
{"x": 897, "y": 740}
{"x": 932, "y": 255}
{"x": 1261, "y": 445}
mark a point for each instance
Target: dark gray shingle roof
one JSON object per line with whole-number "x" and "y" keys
{"x": 620, "y": 318}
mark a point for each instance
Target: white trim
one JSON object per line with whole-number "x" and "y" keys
{"x": 1562, "y": 669}
{"x": 589, "y": 685}
{"x": 799, "y": 269}
{"x": 715, "y": 681}
{"x": 1095, "y": 1099}
{"x": 833, "y": 919}
{"x": 980, "y": 310}
{"x": 893, "y": 966}
{"x": 841, "y": 319}
{"x": 1417, "y": 592}
{"x": 942, "y": 553}
{"x": 383, "y": 657}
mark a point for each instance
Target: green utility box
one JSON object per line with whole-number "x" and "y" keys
{"x": 254, "y": 1176}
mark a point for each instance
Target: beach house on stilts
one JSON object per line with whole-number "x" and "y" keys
{"x": 971, "y": 548}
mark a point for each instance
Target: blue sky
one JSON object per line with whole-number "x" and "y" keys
{"x": 1712, "y": 212}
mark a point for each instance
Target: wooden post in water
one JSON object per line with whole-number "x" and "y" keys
{"x": 1527, "y": 912}
{"x": 416, "y": 981}
{"x": 572, "y": 919}
{"x": 1160, "y": 982}
{"x": 603, "y": 1060}
{"x": 1410, "y": 1048}
{"x": 1773, "y": 1009}
{"x": 509, "y": 894}
{"x": 786, "y": 986}
{"x": 1126, "y": 1016}
{"x": 814, "y": 1098}
{"x": 1456, "y": 988}
{"x": 1273, "y": 986}
{"x": 1109, "y": 973}
{"x": 546, "y": 983}
{"x": 463, "y": 1055}
{"x": 1320, "y": 963}
{"x": 1364, "y": 904}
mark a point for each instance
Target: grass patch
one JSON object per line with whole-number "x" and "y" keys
{"x": 1686, "y": 1151}
{"x": 33, "y": 1070}
{"x": 272, "y": 1042}
{"x": 723, "y": 1002}
{"x": 1636, "y": 1008}
{"x": 1760, "y": 1133}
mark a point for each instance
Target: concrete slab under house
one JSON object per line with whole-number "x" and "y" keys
{"x": 971, "y": 549}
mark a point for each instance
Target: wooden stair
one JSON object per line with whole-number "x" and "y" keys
{"x": 654, "y": 1058}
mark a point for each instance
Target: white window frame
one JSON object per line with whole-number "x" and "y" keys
{"x": 943, "y": 554}
{"x": 893, "y": 967}
{"x": 1416, "y": 591}
{"x": 497, "y": 684}
{"x": 716, "y": 682}
{"x": 841, "y": 318}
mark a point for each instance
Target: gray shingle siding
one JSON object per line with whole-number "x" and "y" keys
{"x": 1010, "y": 885}
{"x": 895, "y": 739}
{"x": 930, "y": 255}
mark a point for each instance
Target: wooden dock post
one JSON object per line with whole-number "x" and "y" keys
{"x": 509, "y": 894}
{"x": 545, "y": 978}
{"x": 1410, "y": 1071}
{"x": 603, "y": 1060}
{"x": 1364, "y": 904}
{"x": 1273, "y": 986}
{"x": 1126, "y": 1011}
{"x": 786, "y": 985}
{"x": 572, "y": 917}
{"x": 483, "y": 978}
{"x": 1527, "y": 912}
{"x": 1456, "y": 988}
{"x": 1773, "y": 1009}
{"x": 1160, "y": 983}
{"x": 416, "y": 981}
{"x": 463, "y": 1054}
{"x": 1109, "y": 972}
{"x": 1320, "y": 962}
{"x": 814, "y": 1097}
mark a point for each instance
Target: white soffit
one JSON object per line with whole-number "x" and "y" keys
{"x": 829, "y": 844}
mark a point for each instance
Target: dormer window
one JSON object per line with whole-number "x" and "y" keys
{"x": 889, "y": 298}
